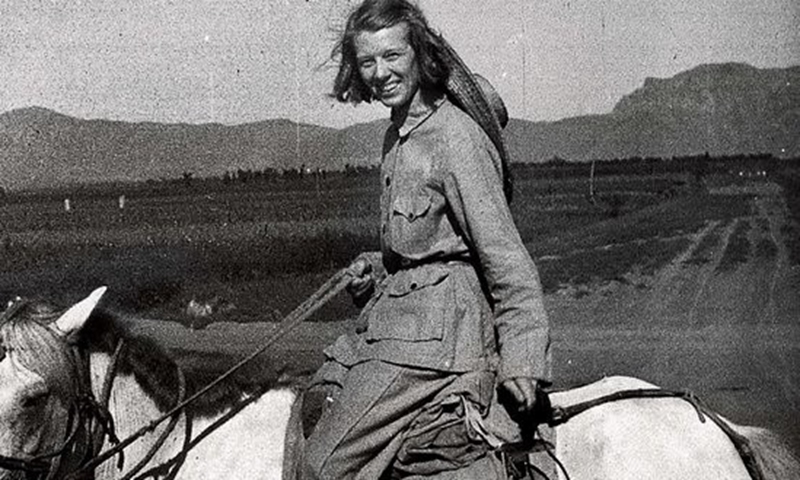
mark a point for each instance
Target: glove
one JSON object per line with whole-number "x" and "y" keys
{"x": 530, "y": 401}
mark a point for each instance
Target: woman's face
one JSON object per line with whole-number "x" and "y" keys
{"x": 388, "y": 65}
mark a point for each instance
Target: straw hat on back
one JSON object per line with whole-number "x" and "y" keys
{"x": 496, "y": 102}
{"x": 476, "y": 96}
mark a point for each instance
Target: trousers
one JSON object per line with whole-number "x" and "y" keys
{"x": 360, "y": 434}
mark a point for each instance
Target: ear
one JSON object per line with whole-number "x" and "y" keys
{"x": 75, "y": 317}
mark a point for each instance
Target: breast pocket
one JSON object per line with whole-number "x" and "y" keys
{"x": 412, "y": 225}
{"x": 412, "y": 207}
{"x": 414, "y": 307}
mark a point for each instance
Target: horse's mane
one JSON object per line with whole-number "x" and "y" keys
{"x": 41, "y": 350}
{"x": 157, "y": 371}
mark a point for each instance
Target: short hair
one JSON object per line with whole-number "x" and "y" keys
{"x": 374, "y": 15}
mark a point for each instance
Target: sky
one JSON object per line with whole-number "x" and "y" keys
{"x": 239, "y": 61}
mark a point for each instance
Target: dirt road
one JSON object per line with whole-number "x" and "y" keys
{"x": 732, "y": 336}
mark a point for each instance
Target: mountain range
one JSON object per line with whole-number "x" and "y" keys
{"x": 721, "y": 109}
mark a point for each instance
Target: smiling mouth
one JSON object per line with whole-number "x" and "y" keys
{"x": 388, "y": 89}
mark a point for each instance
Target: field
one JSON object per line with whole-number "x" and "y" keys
{"x": 165, "y": 248}
{"x": 687, "y": 285}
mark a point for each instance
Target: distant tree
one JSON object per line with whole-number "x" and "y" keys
{"x": 244, "y": 176}
{"x": 557, "y": 161}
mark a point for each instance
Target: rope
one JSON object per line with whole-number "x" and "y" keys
{"x": 328, "y": 290}
{"x": 22, "y": 464}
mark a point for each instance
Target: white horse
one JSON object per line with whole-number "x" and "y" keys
{"x": 65, "y": 377}
{"x": 51, "y": 365}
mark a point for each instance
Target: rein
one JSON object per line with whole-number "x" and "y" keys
{"x": 560, "y": 415}
{"x": 328, "y": 290}
{"x": 41, "y": 464}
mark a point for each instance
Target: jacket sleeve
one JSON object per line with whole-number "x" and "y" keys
{"x": 474, "y": 191}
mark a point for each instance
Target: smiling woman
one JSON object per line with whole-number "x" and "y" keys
{"x": 453, "y": 309}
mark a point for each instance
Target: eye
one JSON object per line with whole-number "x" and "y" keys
{"x": 34, "y": 397}
{"x": 365, "y": 64}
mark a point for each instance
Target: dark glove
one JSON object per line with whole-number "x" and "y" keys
{"x": 526, "y": 401}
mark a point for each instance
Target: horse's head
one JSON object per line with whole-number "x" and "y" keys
{"x": 39, "y": 383}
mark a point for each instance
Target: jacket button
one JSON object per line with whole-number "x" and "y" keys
{"x": 388, "y": 181}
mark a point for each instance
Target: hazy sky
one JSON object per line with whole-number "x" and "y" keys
{"x": 236, "y": 61}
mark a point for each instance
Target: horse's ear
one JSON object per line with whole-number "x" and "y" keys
{"x": 73, "y": 319}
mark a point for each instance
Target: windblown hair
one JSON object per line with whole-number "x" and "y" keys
{"x": 374, "y": 15}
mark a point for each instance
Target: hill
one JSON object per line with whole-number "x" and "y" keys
{"x": 40, "y": 148}
{"x": 722, "y": 109}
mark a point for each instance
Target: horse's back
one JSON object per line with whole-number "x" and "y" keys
{"x": 642, "y": 438}
{"x": 250, "y": 445}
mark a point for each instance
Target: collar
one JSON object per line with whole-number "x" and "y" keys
{"x": 406, "y": 121}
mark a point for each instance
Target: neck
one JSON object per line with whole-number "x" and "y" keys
{"x": 131, "y": 408}
{"x": 422, "y": 102}
{"x": 265, "y": 422}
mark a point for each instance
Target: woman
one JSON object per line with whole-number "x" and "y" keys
{"x": 455, "y": 304}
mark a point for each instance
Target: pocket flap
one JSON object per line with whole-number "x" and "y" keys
{"x": 416, "y": 306}
{"x": 412, "y": 206}
{"x": 407, "y": 281}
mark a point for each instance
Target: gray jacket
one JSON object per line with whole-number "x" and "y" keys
{"x": 462, "y": 293}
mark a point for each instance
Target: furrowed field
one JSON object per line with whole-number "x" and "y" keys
{"x": 261, "y": 248}
{"x": 688, "y": 281}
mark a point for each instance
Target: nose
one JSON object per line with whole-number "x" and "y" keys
{"x": 382, "y": 72}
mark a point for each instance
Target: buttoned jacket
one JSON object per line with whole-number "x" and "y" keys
{"x": 462, "y": 292}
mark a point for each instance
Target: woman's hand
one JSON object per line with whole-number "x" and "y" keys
{"x": 523, "y": 391}
{"x": 362, "y": 277}
{"x": 360, "y": 272}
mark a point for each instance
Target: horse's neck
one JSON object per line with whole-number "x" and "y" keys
{"x": 248, "y": 445}
{"x": 131, "y": 408}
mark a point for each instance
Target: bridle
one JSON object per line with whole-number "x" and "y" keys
{"x": 88, "y": 424}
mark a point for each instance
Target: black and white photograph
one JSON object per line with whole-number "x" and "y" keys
{"x": 399, "y": 239}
